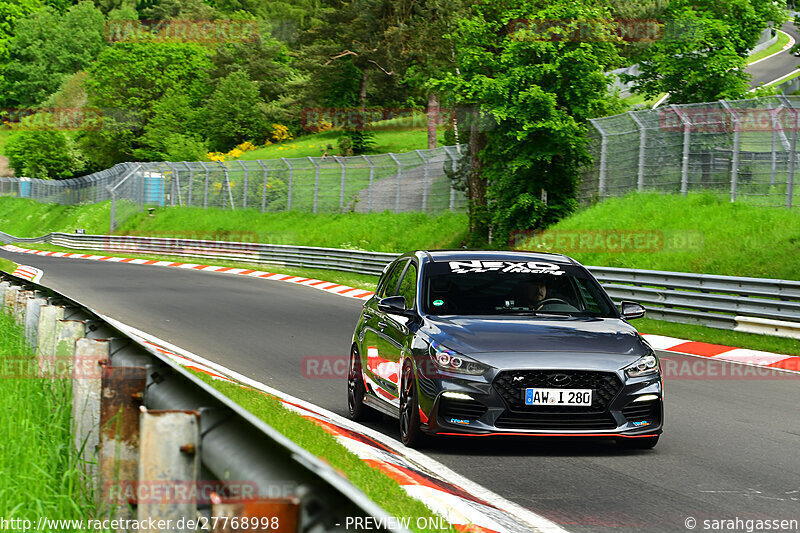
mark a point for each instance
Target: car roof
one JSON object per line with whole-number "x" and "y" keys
{"x": 496, "y": 255}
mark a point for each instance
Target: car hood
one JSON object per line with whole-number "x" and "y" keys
{"x": 613, "y": 341}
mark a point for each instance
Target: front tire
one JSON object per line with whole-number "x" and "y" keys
{"x": 356, "y": 409}
{"x": 410, "y": 432}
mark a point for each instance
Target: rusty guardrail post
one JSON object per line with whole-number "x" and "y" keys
{"x": 278, "y": 514}
{"x": 20, "y": 305}
{"x": 10, "y": 299}
{"x": 90, "y": 356}
{"x": 168, "y": 454}
{"x": 118, "y": 456}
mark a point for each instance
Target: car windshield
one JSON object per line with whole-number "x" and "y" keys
{"x": 512, "y": 287}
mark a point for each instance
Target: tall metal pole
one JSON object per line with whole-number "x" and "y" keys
{"x": 642, "y": 146}
{"x": 399, "y": 180}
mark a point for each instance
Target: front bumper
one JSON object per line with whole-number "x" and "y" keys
{"x": 470, "y": 407}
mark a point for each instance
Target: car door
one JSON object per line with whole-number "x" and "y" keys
{"x": 394, "y": 333}
{"x": 380, "y": 367}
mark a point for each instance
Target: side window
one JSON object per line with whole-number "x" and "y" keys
{"x": 389, "y": 286}
{"x": 408, "y": 287}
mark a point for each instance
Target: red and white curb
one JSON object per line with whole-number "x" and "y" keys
{"x": 468, "y": 507}
{"x": 729, "y": 354}
{"x": 29, "y": 273}
{"x": 328, "y": 286}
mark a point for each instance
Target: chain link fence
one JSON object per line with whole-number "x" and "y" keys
{"x": 745, "y": 149}
{"x": 412, "y": 181}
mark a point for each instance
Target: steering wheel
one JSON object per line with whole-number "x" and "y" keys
{"x": 551, "y": 301}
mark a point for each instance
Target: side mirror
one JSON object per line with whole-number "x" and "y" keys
{"x": 395, "y": 305}
{"x": 631, "y": 310}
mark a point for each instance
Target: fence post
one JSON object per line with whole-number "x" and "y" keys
{"x": 774, "y": 161}
{"x": 793, "y": 156}
{"x": 316, "y": 182}
{"x": 399, "y": 178}
{"x": 601, "y": 182}
{"x": 205, "y": 189}
{"x": 226, "y": 183}
{"x": 341, "y": 187}
{"x": 244, "y": 195}
{"x": 291, "y": 179}
{"x": 371, "y": 179}
{"x": 191, "y": 182}
{"x": 176, "y": 184}
{"x": 264, "y": 186}
{"x": 425, "y": 184}
{"x": 687, "y": 138}
{"x": 642, "y": 146}
{"x": 735, "y": 155}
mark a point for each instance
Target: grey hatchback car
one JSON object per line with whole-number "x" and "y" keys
{"x": 482, "y": 343}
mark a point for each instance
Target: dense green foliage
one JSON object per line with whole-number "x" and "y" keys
{"x": 521, "y": 98}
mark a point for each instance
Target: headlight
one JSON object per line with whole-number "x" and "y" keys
{"x": 451, "y": 361}
{"x": 644, "y": 366}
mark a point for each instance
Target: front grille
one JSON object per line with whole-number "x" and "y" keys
{"x": 555, "y": 421}
{"x": 639, "y": 411}
{"x": 511, "y": 385}
{"x": 461, "y": 409}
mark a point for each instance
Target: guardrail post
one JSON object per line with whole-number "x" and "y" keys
{"x": 122, "y": 393}
{"x": 11, "y": 298}
{"x": 90, "y": 356}
{"x": 20, "y": 305}
{"x": 371, "y": 180}
{"x": 281, "y": 514}
{"x": 316, "y": 182}
{"x": 399, "y": 178}
{"x": 793, "y": 156}
{"x": 49, "y": 315}
{"x": 32, "y": 318}
{"x": 169, "y": 451}
{"x": 4, "y": 285}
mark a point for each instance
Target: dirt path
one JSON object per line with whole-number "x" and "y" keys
{"x": 5, "y": 170}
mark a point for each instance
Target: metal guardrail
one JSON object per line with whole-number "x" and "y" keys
{"x": 709, "y": 300}
{"x": 141, "y": 418}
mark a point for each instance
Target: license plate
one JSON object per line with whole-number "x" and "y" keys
{"x": 558, "y": 397}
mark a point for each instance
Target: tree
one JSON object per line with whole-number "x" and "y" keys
{"x": 38, "y": 151}
{"x": 532, "y": 95}
{"x": 128, "y": 80}
{"x": 702, "y": 56}
{"x": 48, "y": 48}
{"x": 234, "y": 112}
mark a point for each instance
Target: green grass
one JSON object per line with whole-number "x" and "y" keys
{"x": 700, "y": 232}
{"x": 5, "y": 133}
{"x": 783, "y": 38}
{"x": 636, "y": 99}
{"x": 39, "y": 469}
{"x": 386, "y": 140}
{"x": 719, "y": 336}
{"x": 7, "y": 266}
{"x": 378, "y": 486}
{"x": 385, "y": 232}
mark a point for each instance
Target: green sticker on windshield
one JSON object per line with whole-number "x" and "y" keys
{"x": 437, "y": 303}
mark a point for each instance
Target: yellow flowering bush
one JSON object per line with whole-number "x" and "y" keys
{"x": 280, "y": 133}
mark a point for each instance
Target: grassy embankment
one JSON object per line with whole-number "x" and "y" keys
{"x": 40, "y": 472}
{"x": 701, "y": 233}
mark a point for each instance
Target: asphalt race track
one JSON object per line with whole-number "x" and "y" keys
{"x": 730, "y": 449}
